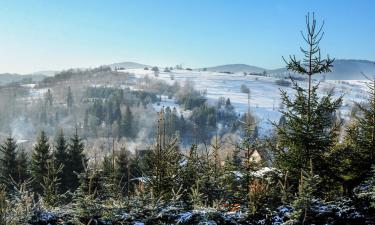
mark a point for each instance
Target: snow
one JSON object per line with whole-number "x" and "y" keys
{"x": 265, "y": 93}
{"x": 264, "y": 171}
{"x": 138, "y": 223}
{"x": 183, "y": 217}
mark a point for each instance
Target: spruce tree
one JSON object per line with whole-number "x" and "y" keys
{"x": 39, "y": 161}
{"x": 309, "y": 130}
{"x": 62, "y": 160}
{"x": 365, "y": 123}
{"x": 162, "y": 164}
{"x": 76, "y": 160}
{"x": 9, "y": 161}
{"x": 22, "y": 165}
{"x": 51, "y": 183}
{"x": 127, "y": 123}
{"x": 352, "y": 161}
{"x": 122, "y": 171}
{"x": 191, "y": 172}
{"x": 69, "y": 98}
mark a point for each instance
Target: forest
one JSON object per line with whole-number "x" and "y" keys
{"x": 91, "y": 160}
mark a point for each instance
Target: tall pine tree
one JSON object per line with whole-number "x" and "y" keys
{"x": 62, "y": 160}
{"x": 22, "y": 165}
{"x": 39, "y": 161}
{"x": 309, "y": 130}
{"x": 122, "y": 171}
{"x": 9, "y": 161}
{"x": 76, "y": 160}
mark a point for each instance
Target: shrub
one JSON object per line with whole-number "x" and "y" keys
{"x": 245, "y": 89}
{"x": 283, "y": 83}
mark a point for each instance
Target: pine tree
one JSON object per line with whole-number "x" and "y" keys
{"x": 307, "y": 188}
{"x": 62, "y": 160}
{"x": 309, "y": 130}
{"x": 353, "y": 160}
{"x": 9, "y": 161}
{"x": 365, "y": 138}
{"x": 51, "y": 183}
{"x": 162, "y": 163}
{"x": 127, "y": 123}
{"x": 39, "y": 162}
{"x": 76, "y": 160}
{"x": 69, "y": 98}
{"x": 192, "y": 172}
{"x": 211, "y": 175}
{"x": 122, "y": 171}
{"x": 49, "y": 98}
{"x": 22, "y": 165}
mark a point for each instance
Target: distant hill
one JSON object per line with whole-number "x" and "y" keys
{"x": 7, "y": 78}
{"x": 48, "y": 73}
{"x": 343, "y": 69}
{"x": 236, "y": 68}
{"x": 128, "y": 65}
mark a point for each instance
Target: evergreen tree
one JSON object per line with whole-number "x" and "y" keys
{"x": 307, "y": 188}
{"x": 364, "y": 136}
{"x": 309, "y": 130}
{"x": 127, "y": 123}
{"x": 76, "y": 160}
{"x": 40, "y": 157}
{"x": 122, "y": 171}
{"x": 162, "y": 164}
{"x": 49, "y": 98}
{"x": 51, "y": 183}
{"x": 192, "y": 172}
{"x": 352, "y": 160}
{"x": 9, "y": 161}
{"x": 69, "y": 98}
{"x": 62, "y": 160}
{"x": 22, "y": 166}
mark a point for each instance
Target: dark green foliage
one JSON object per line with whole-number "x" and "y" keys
{"x": 23, "y": 161}
{"x": 49, "y": 98}
{"x": 39, "y": 161}
{"x": 363, "y": 136}
{"x": 162, "y": 169}
{"x": 122, "y": 171}
{"x": 307, "y": 189}
{"x": 309, "y": 130}
{"x": 126, "y": 128}
{"x": 162, "y": 164}
{"x": 51, "y": 183}
{"x": 9, "y": 163}
{"x": 61, "y": 158}
{"x": 76, "y": 160}
{"x": 205, "y": 116}
{"x": 69, "y": 98}
{"x": 352, "y": 161}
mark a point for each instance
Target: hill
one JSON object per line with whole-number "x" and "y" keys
{"x": 236, "y": 68}
{"x": 128, "y": 65}
{"x": 343, "y": 69}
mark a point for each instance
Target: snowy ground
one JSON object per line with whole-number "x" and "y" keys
{"x": 265, "y": 93}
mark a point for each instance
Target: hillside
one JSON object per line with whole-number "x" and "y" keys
{"x": 343, "y": 69}
{"x": 265, "y": 92}
{"x": 128, "y": 65}
{"x": 7, "y": 78}
{"x": 236, "y": 68}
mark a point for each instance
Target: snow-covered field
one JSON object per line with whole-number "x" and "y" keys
{"x": 265, "y": 93}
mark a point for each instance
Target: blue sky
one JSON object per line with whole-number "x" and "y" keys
{"x": 53, "y": 35}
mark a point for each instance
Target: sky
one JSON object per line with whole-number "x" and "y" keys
{"x": 39, "y": 35}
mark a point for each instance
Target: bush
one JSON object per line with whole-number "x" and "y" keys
{"x": 245, "y": 89}
{"x": 283, "y": 83}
